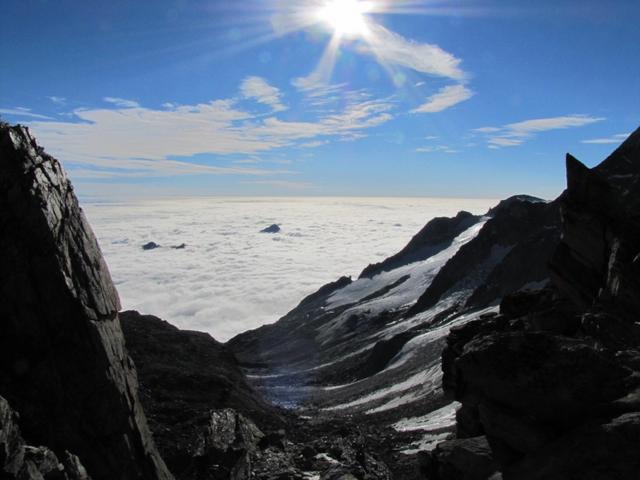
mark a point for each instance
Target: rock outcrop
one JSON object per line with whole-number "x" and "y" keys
{"x": 19, "y": 461}
{"x": 184, "y": 375}
{"x": 63, "y": 363}
{"x": 553, "y": 382}
{"x": 273, "y": 228}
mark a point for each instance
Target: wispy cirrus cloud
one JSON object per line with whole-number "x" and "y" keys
{"x": 121, "y": 102}
{"x": 618, "y": 138}
{"x": 129, "y": 139}
{"x": 390, "y": 48}
{"x": 445, "y": 98}
{"x": 58, "y": 100}
{"x": 437, "y": 148}
{"x": 514, "y": 134}
{"x": 23, "y": 112}
{"x": 261, "y": 91}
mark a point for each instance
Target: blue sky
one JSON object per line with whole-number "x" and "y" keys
{"x": 315, "y": 97}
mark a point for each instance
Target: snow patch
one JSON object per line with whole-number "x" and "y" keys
{"x": 442, "y": 418}
{"x": 423, "y": 380}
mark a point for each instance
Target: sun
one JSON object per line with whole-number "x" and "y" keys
{"x": 347, "y": 18}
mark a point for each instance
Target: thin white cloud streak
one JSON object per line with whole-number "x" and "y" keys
{"x": 284, "y": 184}
{"x": 527, "y": 127}
{"x": 391, "y": 48}
{"x": 515, "y": 134}
{"x": 445, "y": 98}
{"x": 436, "y": 148}
{"x": 486, "y": 130}
{"x": 58, "y": 100}
{"x": 607, "y": 140}
{"x": 121, "y": 102}
{"x": 23, "y": 112}
{"x": 258, "y": 88}
{"x": 141, "y": 168}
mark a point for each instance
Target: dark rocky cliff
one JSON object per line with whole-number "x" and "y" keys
{"x": 550, "y": 388}
{"x": 63, "y": 363}
{"x": 184, "y": 375}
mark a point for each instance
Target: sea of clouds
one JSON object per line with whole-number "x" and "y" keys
{"x": 230, "y": 277}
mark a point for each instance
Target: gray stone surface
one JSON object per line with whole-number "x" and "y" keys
{"x": 63, "y": 362}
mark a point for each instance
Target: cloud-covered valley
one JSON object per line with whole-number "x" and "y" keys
{"x": 229, "y": 277}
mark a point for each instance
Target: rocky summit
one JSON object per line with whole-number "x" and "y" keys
{"x": 495, "y": 346}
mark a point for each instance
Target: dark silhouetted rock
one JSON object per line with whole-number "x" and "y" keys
{"x": 466, "y": 459}
{"x": 225, "y": 446}
{"x": 182, "y": 246}
{"x": 596, "y": 451}
{"x": 553, "y": 382}
{"x": 271, "y": 229}
{"x": 19, "y": 461}
{"x": 150, "y": 246}
{"x": 183, "y": 376}
{"x": 63, "y": 364}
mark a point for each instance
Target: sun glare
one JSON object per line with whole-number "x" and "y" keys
{"x": 346, "y": 17}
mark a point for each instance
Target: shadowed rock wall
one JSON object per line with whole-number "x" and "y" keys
{"x": 63, "y": 363}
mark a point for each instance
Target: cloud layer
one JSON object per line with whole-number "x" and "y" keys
{"x": 231, "y": 278}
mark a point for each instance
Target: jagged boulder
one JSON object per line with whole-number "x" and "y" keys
{"x": 63, "y": 363}
{"x": 19, "y": 461}
{"x": 225, "y": 447}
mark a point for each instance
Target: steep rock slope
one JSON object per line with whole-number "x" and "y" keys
{"x": 552, "y": 384}
{"x": 63, "y": 363}
{"x": 184, "y": 375}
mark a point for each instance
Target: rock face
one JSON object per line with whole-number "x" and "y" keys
{"x": 184, "y": 375}
{"x": 63, "y": 363}
{"x": 24, "y": 462}
{"x": 553, "y": 382}
{"x": 225, "y": 447}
